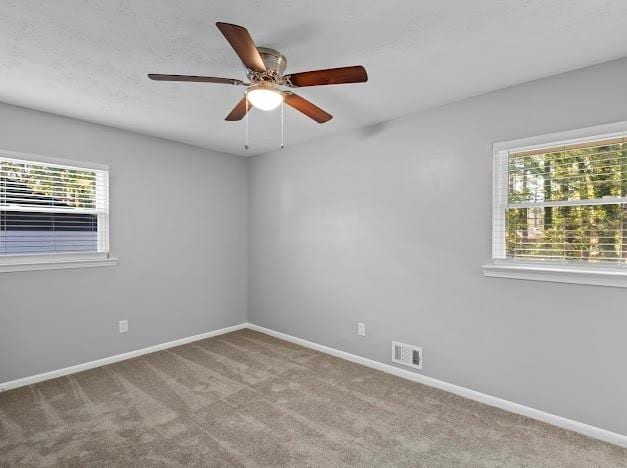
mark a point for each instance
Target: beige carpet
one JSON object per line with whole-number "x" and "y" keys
{"x": 247, "y": 399}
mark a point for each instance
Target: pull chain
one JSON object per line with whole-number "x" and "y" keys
{"x": 246, "y": 131}
{"x": 246, "y": 125}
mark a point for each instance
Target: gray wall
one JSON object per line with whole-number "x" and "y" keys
{"x": 390, "y": 225}
{"x": 167, "y": 286}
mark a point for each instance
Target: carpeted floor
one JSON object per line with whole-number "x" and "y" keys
{"x": 247, "y": 399}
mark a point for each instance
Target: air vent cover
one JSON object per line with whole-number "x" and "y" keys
{"x": 407, "y": 355}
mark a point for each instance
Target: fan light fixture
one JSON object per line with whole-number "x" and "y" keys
{"x": 264, "y": 97}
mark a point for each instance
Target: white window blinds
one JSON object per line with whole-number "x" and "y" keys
{"x": 49, "y": 208}
{"x": 563, "y": 203}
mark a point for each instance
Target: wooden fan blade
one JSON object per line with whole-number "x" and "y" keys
{"x": 239, "y": 111}
{"x": 308, "y": 108}
{"x": 195, "y": 79}
{"x": 243, "y": 44}
{"x": 331, "y": 76}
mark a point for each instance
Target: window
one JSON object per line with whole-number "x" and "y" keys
{"x": 560, "y": 209}
{"x": 53, "y": 213}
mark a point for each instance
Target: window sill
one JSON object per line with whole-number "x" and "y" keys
{"x": 55, "y": 264}
{"x": 615, "y": 277}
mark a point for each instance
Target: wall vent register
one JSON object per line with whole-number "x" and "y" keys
{"x": 407, "y": 355}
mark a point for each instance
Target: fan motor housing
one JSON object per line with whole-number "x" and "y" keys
{"x": 275, "y": 63}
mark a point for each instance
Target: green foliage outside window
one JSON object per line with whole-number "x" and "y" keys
{"x": 582, "y": 185}
{"x": 71, "y": 187}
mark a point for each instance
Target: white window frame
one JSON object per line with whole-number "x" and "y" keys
{"x": 560, "y": 272}
{"x": 47, "y": 261}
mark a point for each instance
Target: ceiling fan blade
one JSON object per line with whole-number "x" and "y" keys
{"x": 195, "y": 79}
{"x": 243, "y": 44}
{"x": 330, "y": 76}
{"x": 308, "y": 108}
{"x": 239, "y": 111}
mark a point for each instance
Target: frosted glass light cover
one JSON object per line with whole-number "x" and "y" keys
{"x": 264, "y": 98}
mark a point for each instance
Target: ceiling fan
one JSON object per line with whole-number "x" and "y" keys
{"x": 264, "y": 69}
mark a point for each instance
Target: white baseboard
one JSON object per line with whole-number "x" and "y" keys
{"x": 117, "y": 358}
{"x": 564, "y": 423}
{"x": 559, "y": 421}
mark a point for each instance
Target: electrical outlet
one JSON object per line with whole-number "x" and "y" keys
{"x": 123, "y": 325}
{"x": 361, "y": 329}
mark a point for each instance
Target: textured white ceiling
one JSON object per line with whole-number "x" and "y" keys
{"x": 89, "y": 58}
